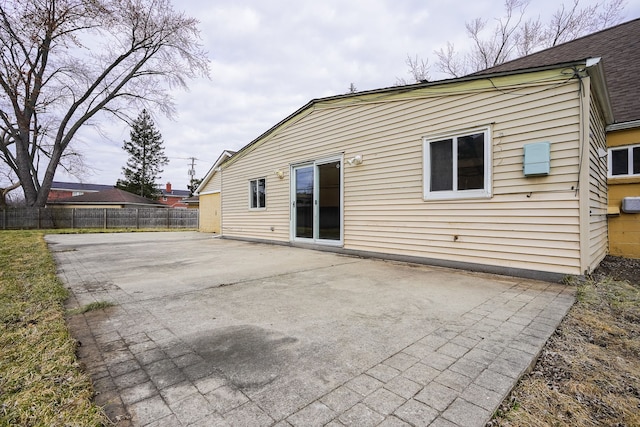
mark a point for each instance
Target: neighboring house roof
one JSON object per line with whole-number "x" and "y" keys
{"x": 78, "y": 186}
{"x": 619, "y": 48}
{"x": 175, "y": 193}
{"x": 113, "y": 196}
{"x": 191, "y": 200}
{"x": 171, "y": 197}
{"x": 226, "y": 154}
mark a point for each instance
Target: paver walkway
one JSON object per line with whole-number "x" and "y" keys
{"x": 322, "y": 339}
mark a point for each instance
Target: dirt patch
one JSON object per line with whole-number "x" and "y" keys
{"x": 618, "y": 268}
{"x": 588, "y": 373}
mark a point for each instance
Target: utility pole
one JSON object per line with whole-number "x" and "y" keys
{"x": 192, "y": 169}
{"x": 192, "y": 166}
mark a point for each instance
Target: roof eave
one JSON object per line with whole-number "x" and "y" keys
{"x": 596, "y": 73}
{"x": 226, "y": 154}
{"x": 633, "y": 124}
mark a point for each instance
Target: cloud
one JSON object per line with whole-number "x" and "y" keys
{"x": 269, "y": 58}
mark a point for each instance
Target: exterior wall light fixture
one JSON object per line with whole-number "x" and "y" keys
{"x": 356, "y": 160}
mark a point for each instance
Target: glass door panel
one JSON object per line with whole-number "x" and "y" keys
{"x": 329, "y": 201}
{"x": 303, "y": 207}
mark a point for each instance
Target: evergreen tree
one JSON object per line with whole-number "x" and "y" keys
{"x": 193, "y": 185}
{"x": 146, "y": 158}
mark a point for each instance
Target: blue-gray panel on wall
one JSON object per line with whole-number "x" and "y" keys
{"x": 537, "y": 158}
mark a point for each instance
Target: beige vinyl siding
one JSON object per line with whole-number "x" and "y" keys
{"x": 598, "y": 232}
{"x": 214, "y": 184}
{"x": 529, "y": 222}
{"x": 240, "y": 221}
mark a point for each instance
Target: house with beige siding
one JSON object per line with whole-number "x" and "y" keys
{"x": 498, "y": 172}
{"x": 619, "y": 49}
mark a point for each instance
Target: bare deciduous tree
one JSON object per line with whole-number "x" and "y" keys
{"x": 570, "y": 23}
{"x": 514, "y": 35}
{"x": 419, "y": 70}
{"x": 64, "y": 61}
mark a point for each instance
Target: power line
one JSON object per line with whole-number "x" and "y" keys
{"x": 191, "y": 172}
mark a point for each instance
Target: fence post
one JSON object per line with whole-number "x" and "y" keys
{"x": 73, "y": 217}
{"x": 105, "y": 218}
{"x": 137, "y": 218}
{"x": 168, "y": 219}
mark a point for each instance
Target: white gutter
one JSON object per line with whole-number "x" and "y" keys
{"x": 623, "y": 126}
{"x": 599, "y": 84}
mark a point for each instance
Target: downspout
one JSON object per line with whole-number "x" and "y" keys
{"x": 582, "y": 190}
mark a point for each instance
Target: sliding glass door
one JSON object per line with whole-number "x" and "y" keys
{"x": 317, "y": 201}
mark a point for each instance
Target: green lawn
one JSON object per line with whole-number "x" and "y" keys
{"x": 41, "y": 383}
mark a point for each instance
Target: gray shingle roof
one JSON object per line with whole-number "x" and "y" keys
{"x": 619, "y": 48}
{"x": 175, "y": 193}
{"x": 111, "y": 196}
{"x": 78, "y": 186}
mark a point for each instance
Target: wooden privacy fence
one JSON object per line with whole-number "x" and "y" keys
{"x": 41, "y": 218}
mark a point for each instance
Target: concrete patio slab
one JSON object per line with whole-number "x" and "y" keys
{"x": 206, "y": 331}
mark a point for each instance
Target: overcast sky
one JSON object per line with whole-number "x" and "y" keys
{"x": 269, "y": 58}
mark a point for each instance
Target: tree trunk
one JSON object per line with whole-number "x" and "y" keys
{"x": 47, "y": 181}
{"x": 24, "y": 164}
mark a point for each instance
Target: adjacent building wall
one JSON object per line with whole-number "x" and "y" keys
{"x": 530, "y": 223}
{"x": 624, "y": 228}
{"x": 210, "y": 207}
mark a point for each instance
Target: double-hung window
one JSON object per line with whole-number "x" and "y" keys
{"x": 257, "y": 194}
{"x": 458, "y": 166}
{"x": 624, "y": 161}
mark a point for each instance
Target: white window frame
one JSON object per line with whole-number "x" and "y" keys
{"x": 629, "y": 149}
{"x": 292, "y": 195}
{"x": 483, "y": 193}
{"x": 257, "y": 199}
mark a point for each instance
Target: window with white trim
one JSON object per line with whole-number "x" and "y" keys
{"x": 457, "y": 166}
{"x": 257, "y": 193}
{"x": 624, "y": 161}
